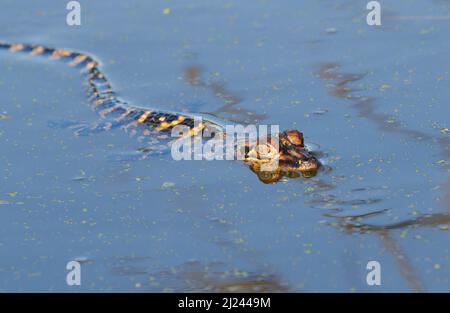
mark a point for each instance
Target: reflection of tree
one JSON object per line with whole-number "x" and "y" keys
{"x": 424, "y": 220}
{"x": 195, "y": 276}
{"x": 340, "y": 89}
{"x": 403, "y": 263}
{"x": 252, "y": 274}
{"x": 238, "y": 114}
{"x": 366, "y": 108}
{"x": 352, "y": 224}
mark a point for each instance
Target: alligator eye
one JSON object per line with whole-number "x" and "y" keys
{"x": 300, "y": 162}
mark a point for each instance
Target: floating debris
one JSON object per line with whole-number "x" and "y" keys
{"x": 140, "y": 178}
{"x": 385, "y": 87}
{"x": 167, "y": 185}
{"x": 320, "y": 112}
{"x": 144, "y": 150}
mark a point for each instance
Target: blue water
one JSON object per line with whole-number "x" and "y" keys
{"x": 372, "y": 100}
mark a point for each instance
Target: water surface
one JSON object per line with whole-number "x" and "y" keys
{"x": 373, "y": 101}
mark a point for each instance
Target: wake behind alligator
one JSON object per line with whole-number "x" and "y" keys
{"x": 292, "y": 158}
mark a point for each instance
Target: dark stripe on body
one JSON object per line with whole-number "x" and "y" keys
{"x": 114, "y": 112}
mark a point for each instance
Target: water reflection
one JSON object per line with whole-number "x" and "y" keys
{"x": 365, "y": 106}
{"x": 192, "y": 75}
{"x": 195, "y": 276}
{"x": 353, "y": 224}
{"x": 333, "y": 200}
{"x": 338, "y": 86}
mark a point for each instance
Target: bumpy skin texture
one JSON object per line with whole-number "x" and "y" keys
{"x": 291, "y": 159}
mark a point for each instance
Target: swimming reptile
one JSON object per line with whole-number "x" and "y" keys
{"x": 292, "y": 158}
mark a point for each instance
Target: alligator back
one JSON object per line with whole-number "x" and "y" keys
{"x": 113, "y": 111}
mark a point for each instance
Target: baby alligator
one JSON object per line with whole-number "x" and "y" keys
{"x": 292, "y": 158}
